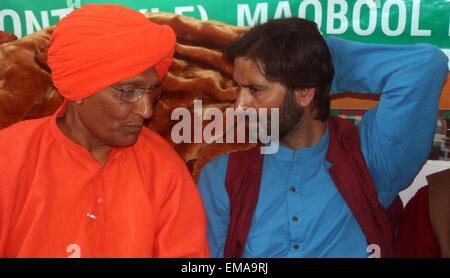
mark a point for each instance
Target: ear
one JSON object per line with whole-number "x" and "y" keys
{"x": 304, "y": 97}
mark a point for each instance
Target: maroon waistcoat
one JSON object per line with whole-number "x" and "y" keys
{"x": 349, "y": 173}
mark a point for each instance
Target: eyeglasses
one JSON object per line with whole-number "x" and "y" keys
{"x": 134, "y": 95}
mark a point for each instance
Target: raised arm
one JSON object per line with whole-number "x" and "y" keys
{"x": 396, "y": 136}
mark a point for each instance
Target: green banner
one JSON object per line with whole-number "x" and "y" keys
{"x": 381, "y": 21}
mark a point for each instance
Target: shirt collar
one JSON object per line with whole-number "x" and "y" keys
{"x": 308, "y": 155}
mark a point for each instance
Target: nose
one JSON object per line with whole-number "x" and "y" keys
{"x": 144, "y": 107}
{"x": 243, "y": 99}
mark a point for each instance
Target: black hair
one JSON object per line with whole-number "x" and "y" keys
{"x": 290, "y": 51}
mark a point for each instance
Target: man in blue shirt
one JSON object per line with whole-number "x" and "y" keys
{"x": 286, "y": 64}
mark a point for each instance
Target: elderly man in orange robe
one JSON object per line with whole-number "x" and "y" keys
{"x": 91, "y": 181}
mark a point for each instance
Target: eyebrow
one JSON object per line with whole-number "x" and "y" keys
{"x": 251, "y": 85}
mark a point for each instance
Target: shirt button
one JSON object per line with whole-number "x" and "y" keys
{"x": 293, "y": 189}
{"x": 294, "y": 218}
{"x": 99, "y": 201}
{"x": 296, "y": 246}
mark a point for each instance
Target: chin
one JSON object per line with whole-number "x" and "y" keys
{"x": 125, "y": 141}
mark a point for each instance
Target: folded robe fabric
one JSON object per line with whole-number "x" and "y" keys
{"x": 98, "y": 45}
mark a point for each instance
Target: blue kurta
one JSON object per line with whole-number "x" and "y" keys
{"x": 300, "y": 212}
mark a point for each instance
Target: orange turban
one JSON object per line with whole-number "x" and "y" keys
{"x": 99, "y": 45}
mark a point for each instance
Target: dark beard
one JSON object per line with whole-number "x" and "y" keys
{"x": 290, "y": 114}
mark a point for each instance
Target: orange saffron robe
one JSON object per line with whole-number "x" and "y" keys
{"x": 56, "y": 200}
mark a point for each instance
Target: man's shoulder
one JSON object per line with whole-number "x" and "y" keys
{"x": 23, "y": 126}
{"x": 21, "y": 133}
{"x": 151, "y": 142}
{"x": 212, "y": 177}
{"x": 217, "y": 166}
{"x": 19, "y": 145}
